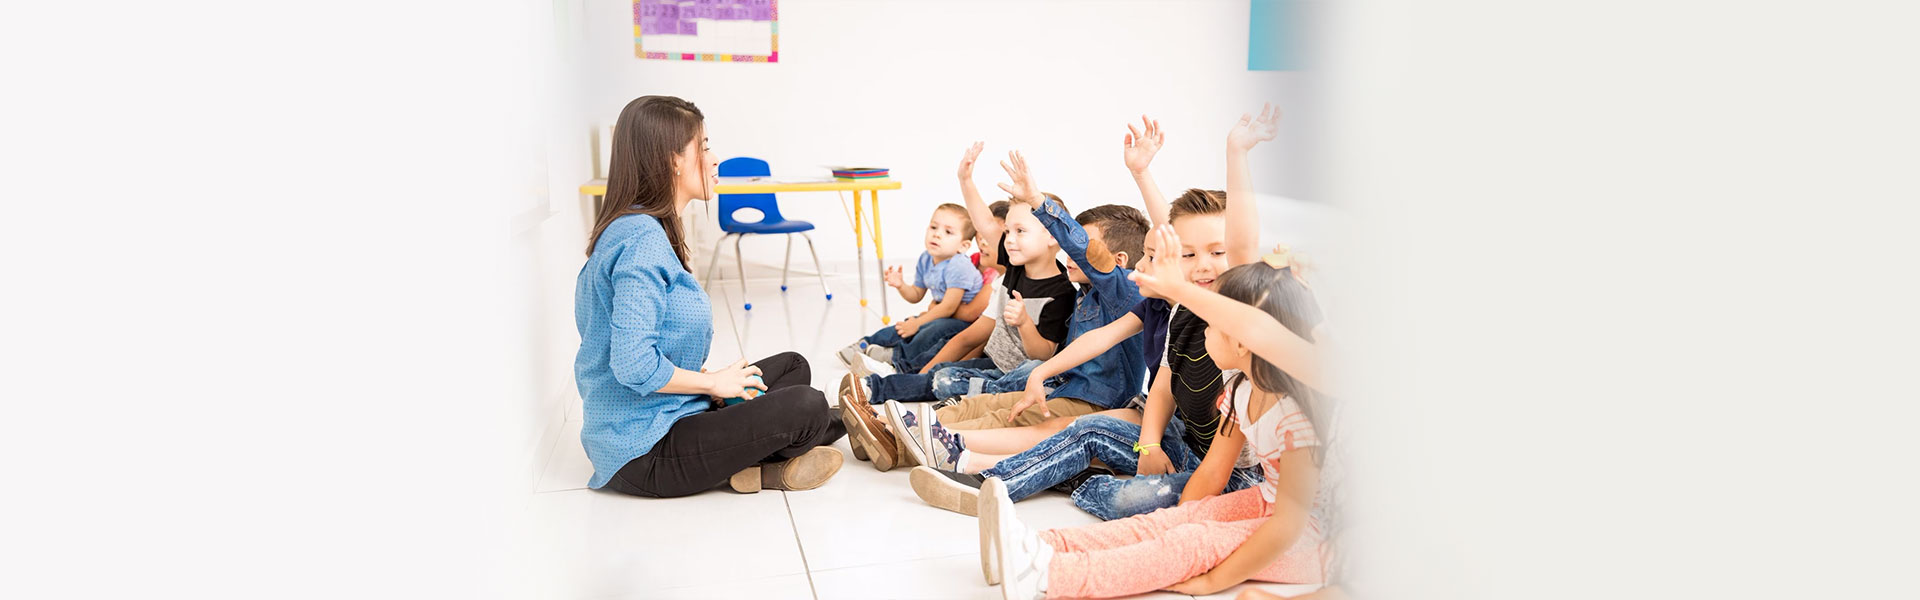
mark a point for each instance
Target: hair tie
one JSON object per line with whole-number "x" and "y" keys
{"x": 1283, "y": 257}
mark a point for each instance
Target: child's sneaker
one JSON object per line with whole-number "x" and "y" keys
{"x": 928, "y": 442}
{"x": 880, "y": 353}
{"x": 864, "y": 365}
{"x": 957, "y": 492}
{"x": 847, "y": 355}
{"x": 1008, "y": 549}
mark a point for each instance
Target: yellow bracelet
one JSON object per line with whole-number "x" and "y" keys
{"x": 1144, "y": 450}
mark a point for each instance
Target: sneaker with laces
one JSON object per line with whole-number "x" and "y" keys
{"x": 865, "y": 365}
{"x": 1017, "y": 554}
{"x": 924, "y": 439}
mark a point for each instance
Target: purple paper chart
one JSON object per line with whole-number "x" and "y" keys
{"x": 707, "y": 30}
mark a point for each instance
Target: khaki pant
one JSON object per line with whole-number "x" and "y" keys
{"x": 989, "y": 411}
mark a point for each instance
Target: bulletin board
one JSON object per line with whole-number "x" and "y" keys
{"x": 707, "y": 30}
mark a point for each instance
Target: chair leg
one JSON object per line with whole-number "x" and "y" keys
{"x": 713, "y": 260}
{"x": 816, "y": 265}
{"x": 787, "y": 264}
{"x": 741, "y": 264}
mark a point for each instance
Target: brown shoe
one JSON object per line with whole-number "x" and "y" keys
{"x": 864, "y": 427}
{"x": 804, "y": 472}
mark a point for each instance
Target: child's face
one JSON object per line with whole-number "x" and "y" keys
{"x": 1203, "y": 243}
{"x": 944, "y": 238}
{"x": 1226, "y": 353}
{"x": 1147, "y": 256}
{"x": 1028, "y": 243}
{"x": 989, "y": 257}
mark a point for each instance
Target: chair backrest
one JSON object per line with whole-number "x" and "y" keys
{"x": 729, "y": 203}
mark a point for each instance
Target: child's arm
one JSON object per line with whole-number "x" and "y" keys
{"x": 962, "y": 344}
{"x": 984, "y": 224}
{"x": 1217, "y": 468}
{"x": 972, "y": 310}
{"x": 1153, "y": 425}
{"x": 1259, "y": 331}
{"x": 1140, "y": 148}
{"x": 1243, "y": 217}
{"x": 1088, "y": 346}
{"x": 1038, "y": 347}
{"x": 1116, "y": 293}
{"x": 1299, "y": 479}
{"x": 896, "y": 279}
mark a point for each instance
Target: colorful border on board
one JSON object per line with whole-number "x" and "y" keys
{"x": 772, "y": 57}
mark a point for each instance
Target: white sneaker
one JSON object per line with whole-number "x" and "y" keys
{"x": 880, "y": 353}
{"x": 1020, "y": 556}
{"x": 872, "y": 367}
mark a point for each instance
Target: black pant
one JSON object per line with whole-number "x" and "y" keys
{"x": 703, "y": 450}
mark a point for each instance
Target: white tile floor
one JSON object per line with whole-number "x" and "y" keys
{"x": 863, "y": 535}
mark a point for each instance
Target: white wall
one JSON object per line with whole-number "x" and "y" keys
{"x": 1057, "y": 80}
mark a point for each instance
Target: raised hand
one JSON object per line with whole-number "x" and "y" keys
{"x": 1022, "y": 186}
{"x": 896, "y": 277}
{"x": 1167, "y": 272}
{"x": 1142, "y": 143}
{"x": 1252, "y": 130}
{"x": 1015, "y": 314}
{"x": 966, "y": 162}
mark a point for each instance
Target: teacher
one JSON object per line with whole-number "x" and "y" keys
{"x": 655, "y": 424}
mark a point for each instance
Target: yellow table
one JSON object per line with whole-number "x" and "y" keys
{"x": 767, "y": 185}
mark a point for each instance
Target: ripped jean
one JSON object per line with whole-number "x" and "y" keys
{"x": 1110, "y": 497}
{"x": 958, "y": 381}
{"x": 1065, "y": 454}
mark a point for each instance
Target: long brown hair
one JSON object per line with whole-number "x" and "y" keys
{"x": 651, "y": 132}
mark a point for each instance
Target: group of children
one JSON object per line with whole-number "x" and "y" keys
{"x": 1174, "y": 393}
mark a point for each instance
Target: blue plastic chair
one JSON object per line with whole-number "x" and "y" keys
{"x": 770, "y": 223}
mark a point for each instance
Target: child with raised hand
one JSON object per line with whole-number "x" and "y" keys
{"x": 1273, "y": 532}
{"x": 1163, "y": 451}
{"x": 1032, "y": 316}
{"x": 1102, "y": 244}
{"x": 942, "y": 271}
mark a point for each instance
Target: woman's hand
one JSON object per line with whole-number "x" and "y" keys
{"x": 1142, "y": 145}
{"x": 1253, "y": 130}
{"x": 1166, "y": 274}
{"x": 1022, "y": 187}
{"x": 966, "y": 162}
{"x": 732, "y": 382}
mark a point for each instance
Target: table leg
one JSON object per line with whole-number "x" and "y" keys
{"x": 860, "y": 247}
{"x": 880, "y": 253}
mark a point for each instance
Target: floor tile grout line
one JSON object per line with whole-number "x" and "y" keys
{"x": 795, "y": 524}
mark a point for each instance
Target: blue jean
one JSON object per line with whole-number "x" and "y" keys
{"x": 925, "y": 344}
{"x": 915, "y": 387}
{"x": 961, "y": 381}
{"x": 1065, "y": 454}
{"x": 1110, "y": 497}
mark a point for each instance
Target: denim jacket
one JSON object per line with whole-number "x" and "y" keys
{"x": 1114, "y": 377}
